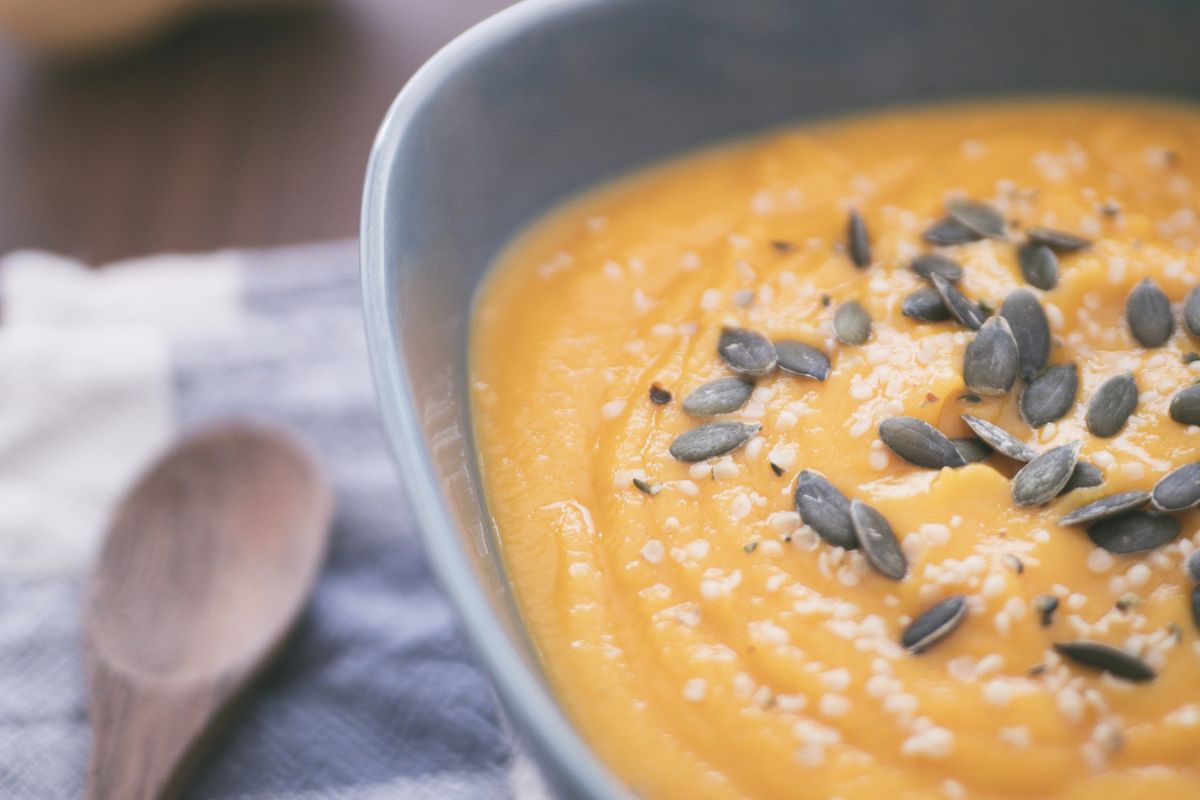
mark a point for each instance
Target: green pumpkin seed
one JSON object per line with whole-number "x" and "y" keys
{"x": 949, "y": 231}
{"x": 1193, "y": 566}
{"x": 1107, "y": 658}
{"x": 1179, "y": 489}
{"x": 1027, "y": 320}
{"x": 929, "y": 263}
{"x": 919, "y": 443}
{"x": 713, "y": 439}
{"x": 857, "y": 242}
{"x": 979, "y": 217}
{"x": 1110, "y": 506}
{"x": 1059, "y": 241}
{"x": 721, "y": 396}
{"x": 1000, "y": 440}
{"x": 1185, "y": 406}
{"x": 1148, "y": 312}
{"x": 990, "y": 359}
{"x": 1191, "y": 312}
{"x": 852, "y": 323}
{"x": 799, "y": 358}
{"x": 972, "y": 450}
{"x": 1040, "y": 481}
{"x": 1134, "y": 531}
{"x": 934, "y": 624}
{"x": 1049, "y": 396}
{"x": 878, "y": 542}
{"x": 825, "y": 509}
{"x": 965, "y": 312}
{"x": 925, "y": 304}
{"x": 746, "y": 352}
{"x": 1112, "y": 404}
{"x": 1039, "y": 265}
{"x": 1085, "y": 476}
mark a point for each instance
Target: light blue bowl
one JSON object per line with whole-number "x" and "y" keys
{"x": 552, "y": 96}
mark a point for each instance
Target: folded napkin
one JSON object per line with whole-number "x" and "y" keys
{"x": 377, "y": 694}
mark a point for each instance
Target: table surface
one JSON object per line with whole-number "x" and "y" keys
{"x": 234, "y": 130}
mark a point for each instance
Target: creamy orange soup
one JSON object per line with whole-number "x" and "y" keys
{"x": 710, "y": 643}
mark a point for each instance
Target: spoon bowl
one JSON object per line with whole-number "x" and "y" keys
{"x": 207, "y": 562}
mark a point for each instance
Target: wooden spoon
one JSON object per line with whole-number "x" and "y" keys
{"x": 208, "y": 560}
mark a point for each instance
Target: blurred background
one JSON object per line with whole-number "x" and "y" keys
{"x": 137, "y": 126}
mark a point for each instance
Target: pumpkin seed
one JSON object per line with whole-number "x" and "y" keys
{"x": 1193, "y": 566}
{"x": 1191, "y": 312}
{"x": 878, "y": 542}
{"x": 934, "y": 624}
{"x": 1014, "y": 563}
{"x": 926, "y": 305}
{"x": 918, "y": 442}
{"x": 1105, "y": 507}
{"x": 1039, "y": 265}
{"x": 965, "y": 312}
{"x": 646, "y": 487}
{"x": 857, "y": 242}
{"x": 1112, "y": 404}
{"x": 721, "y": 396}
{"x": 658, "y": 395}
{"x": 1059, "y": 241}
{"x": 1000, "y": 439}
{"x": 1049, "y": 396}
{"x": 1027, "y": 320}
{"x": 852, "y": 323}
{"x": 1185, "y": 406}
{"x": 1134, "y": 531}
{"x": 825, "y": 509}
{"x": 1039, "y": 481}
{"x": 1179, "y": 489}
{"x": 979, "y": 217}
{"x": 799, "y": 358}
{"x": 1046, "y": 605}
{"x": 990, "y": 359}
{"x": 713, "y": 439}
{"x": 1107, "y": 658}
{"x": 1085, "y": 476}
{"x": 1196, "y": 606}
{"x": 746, "y": 352}
{"x": 949, "y": 231}
{"x": 929, "y": 263}
{"x": 1148, "y": 312}
{"x": 971, "y": 449}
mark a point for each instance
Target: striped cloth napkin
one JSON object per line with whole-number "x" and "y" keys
{"x": 377, "y": 695}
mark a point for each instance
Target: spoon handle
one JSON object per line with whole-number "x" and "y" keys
{"x": 153, "y": 736}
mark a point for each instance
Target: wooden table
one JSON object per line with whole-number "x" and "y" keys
{"x": 232, "y": 131}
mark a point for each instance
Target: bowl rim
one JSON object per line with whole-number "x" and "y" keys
{"x": 526, "y": 698}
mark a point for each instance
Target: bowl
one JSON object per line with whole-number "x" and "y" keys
{"x": 553, "y": 96}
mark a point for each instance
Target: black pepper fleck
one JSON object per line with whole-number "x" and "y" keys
{"x": 1046, "y": 605}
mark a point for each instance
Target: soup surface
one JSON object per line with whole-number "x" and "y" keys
{"x": 951, "y": 637}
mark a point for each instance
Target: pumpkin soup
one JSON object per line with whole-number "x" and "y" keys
{"x": 858, "y": 460}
